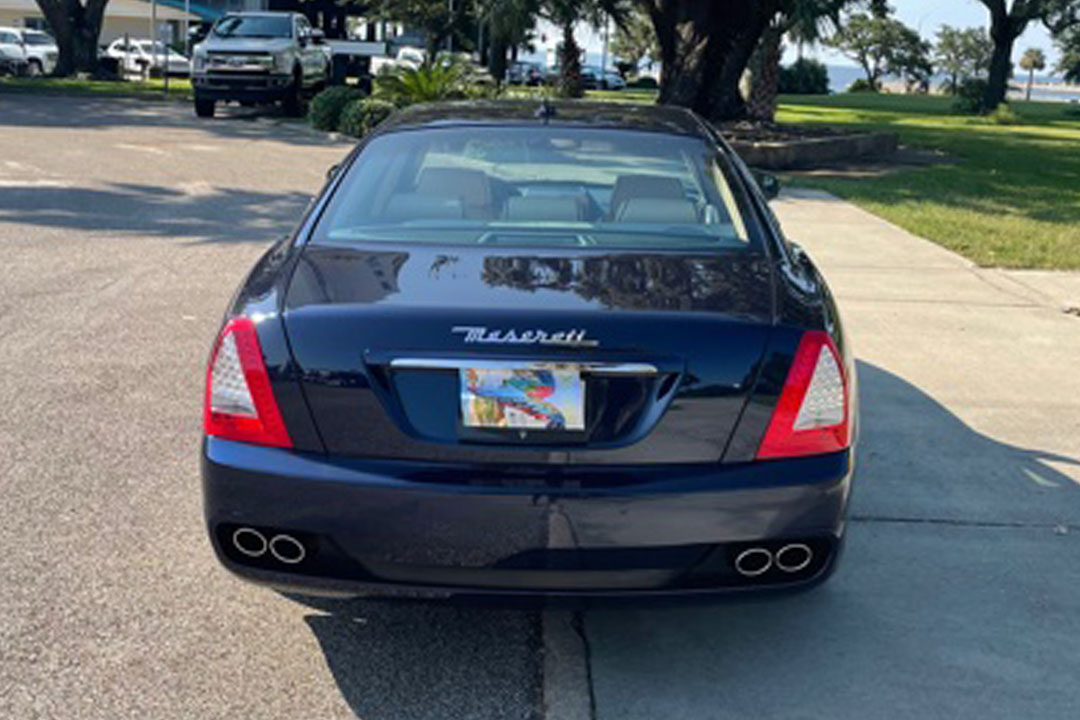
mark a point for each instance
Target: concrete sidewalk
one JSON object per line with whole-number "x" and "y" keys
{"x": 957, "y": 595}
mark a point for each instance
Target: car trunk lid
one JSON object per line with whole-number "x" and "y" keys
{"x": 666, "y": 345}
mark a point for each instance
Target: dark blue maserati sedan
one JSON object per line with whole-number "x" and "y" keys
{"x": 557, "y": 349}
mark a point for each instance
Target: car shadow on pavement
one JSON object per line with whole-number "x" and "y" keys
{"x": 952, "y": 599}
{"x": 919, "y": 460}
{"x": 409, "y": 660}
{"x": 201, "y": 212}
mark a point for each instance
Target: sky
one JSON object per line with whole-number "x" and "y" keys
{"x": 926, "y": 16}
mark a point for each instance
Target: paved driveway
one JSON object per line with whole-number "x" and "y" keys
{"x": 958, "y": 594}
{"x": 124, "y": 226}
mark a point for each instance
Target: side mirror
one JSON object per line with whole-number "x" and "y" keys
{"x": 768, "y": 183}
{"x": 318, "y": 37}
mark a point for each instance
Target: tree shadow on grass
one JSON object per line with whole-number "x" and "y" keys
{"x": 216, "y": 215}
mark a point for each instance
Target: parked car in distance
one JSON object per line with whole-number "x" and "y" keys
{"x": 260, "y": 57}
{"x": 593, "y": 78}
{"x": 612, "y": 81}
{"x": 14, "y": 59}
{"x": 525, "y": 73}
{"x": 41, "y": 50}
{"x": 532, "y": 349}
{"x": 145, "y": 57}
{"x": 406, "y": 57}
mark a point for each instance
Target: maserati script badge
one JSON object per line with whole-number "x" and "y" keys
{"x": 565, "y": 338}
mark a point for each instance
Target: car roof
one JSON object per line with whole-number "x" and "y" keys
{"x": 575, "y": 113}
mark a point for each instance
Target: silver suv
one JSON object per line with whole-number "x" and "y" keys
{"x": 262, "y": 57}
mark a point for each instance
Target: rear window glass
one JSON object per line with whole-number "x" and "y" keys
{"x": 539, "y": 186}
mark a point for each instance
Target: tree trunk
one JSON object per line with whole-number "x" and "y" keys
{"x": 1031, "y": 79}
{"x": 497, "y": 58}
{"x": 1003, "y": 31}
{"x": 765, "y": 76}
{"x": 704, "y": 49}
{"x": 76, "y": 28}
{"x": 570, "y": 65}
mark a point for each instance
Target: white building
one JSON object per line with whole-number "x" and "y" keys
{"x": 130, "y": 17}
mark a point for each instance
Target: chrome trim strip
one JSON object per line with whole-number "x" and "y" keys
{"x": 592, "y": 368}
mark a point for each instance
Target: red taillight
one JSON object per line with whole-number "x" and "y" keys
{"x": 812, "y": 416}
{"x": 239, "y": 402}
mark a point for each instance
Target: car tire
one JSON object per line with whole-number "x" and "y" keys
{"x": 204, "y": 107}
{"x": 34, "y": 68}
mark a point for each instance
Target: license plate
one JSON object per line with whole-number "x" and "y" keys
{"x": 534, "y": 397}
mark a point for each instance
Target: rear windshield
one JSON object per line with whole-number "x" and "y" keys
{"x": 254, "y": 26}
{"x": 538, "y": 186}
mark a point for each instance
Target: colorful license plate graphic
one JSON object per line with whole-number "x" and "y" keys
{"x": 549, "y": 397}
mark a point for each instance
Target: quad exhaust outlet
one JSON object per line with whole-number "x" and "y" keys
{"x": 287, "y": 549}
{"x": 753, "y": 562}
{"x": 790, "y": 558}
{"x": 250, "y": 542}
{"x": 282, "y": 547}
{"x": 794, "y": 557}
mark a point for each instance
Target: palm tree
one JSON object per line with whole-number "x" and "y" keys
{"x": 510, "y": 23}
{"x": 805, "y": 22}
{"x": 1032, "y": 60}
{"x": 565, "y": 14}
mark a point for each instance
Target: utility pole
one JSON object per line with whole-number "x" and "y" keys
{"x": 450, "y": 34}
{"x": 603, "y": 55}
{"x": 187, "y": 29}
{"x": 153, "y": 38}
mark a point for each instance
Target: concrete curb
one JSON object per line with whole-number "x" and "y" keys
{"x": 567, "y": 684}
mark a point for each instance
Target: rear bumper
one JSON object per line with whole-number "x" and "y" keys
{"x": 242, "y": 87}
{"x": 412, "y": 529}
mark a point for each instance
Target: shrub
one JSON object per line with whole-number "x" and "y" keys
{"x": 805, "y": 77}
{"x": 427, "y": 83}
{"x": 862, "y": 85}
{"x": 1003, "y": 115}
{"x": 644, "y": 83}
{"x": 361, "y": 116}
{"x": 969, "y": 96}
{"x": 326, "y": 107}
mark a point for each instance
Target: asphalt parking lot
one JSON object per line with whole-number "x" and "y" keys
{"x": 124, "y": 228}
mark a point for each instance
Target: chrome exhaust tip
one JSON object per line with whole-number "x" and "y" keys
{"x": 753, "y": 562}
{"x": 250, "y": 542}
{"x": 794, "y": 557}
{"x": 287, "y": 549}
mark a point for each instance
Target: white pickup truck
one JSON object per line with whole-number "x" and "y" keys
{"x": 35, "y": 47}
{"x": 259, "y": 57}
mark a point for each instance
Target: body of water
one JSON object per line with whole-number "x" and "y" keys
{"x": 841, "y": 77}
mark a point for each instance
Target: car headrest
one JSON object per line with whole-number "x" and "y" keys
{"x": 658, "y": 210}
{"x": 472, "y": 186}
{"x": 544, "y": 208}
{"x": 644, "y": 186}
{"x": 415, "y": 206}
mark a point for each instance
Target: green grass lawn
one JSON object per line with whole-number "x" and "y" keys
{"x": 1012, "y": 199}
{"x": 179, "y": 88}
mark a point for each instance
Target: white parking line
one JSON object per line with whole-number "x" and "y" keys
{"x": 4, "y": 183}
